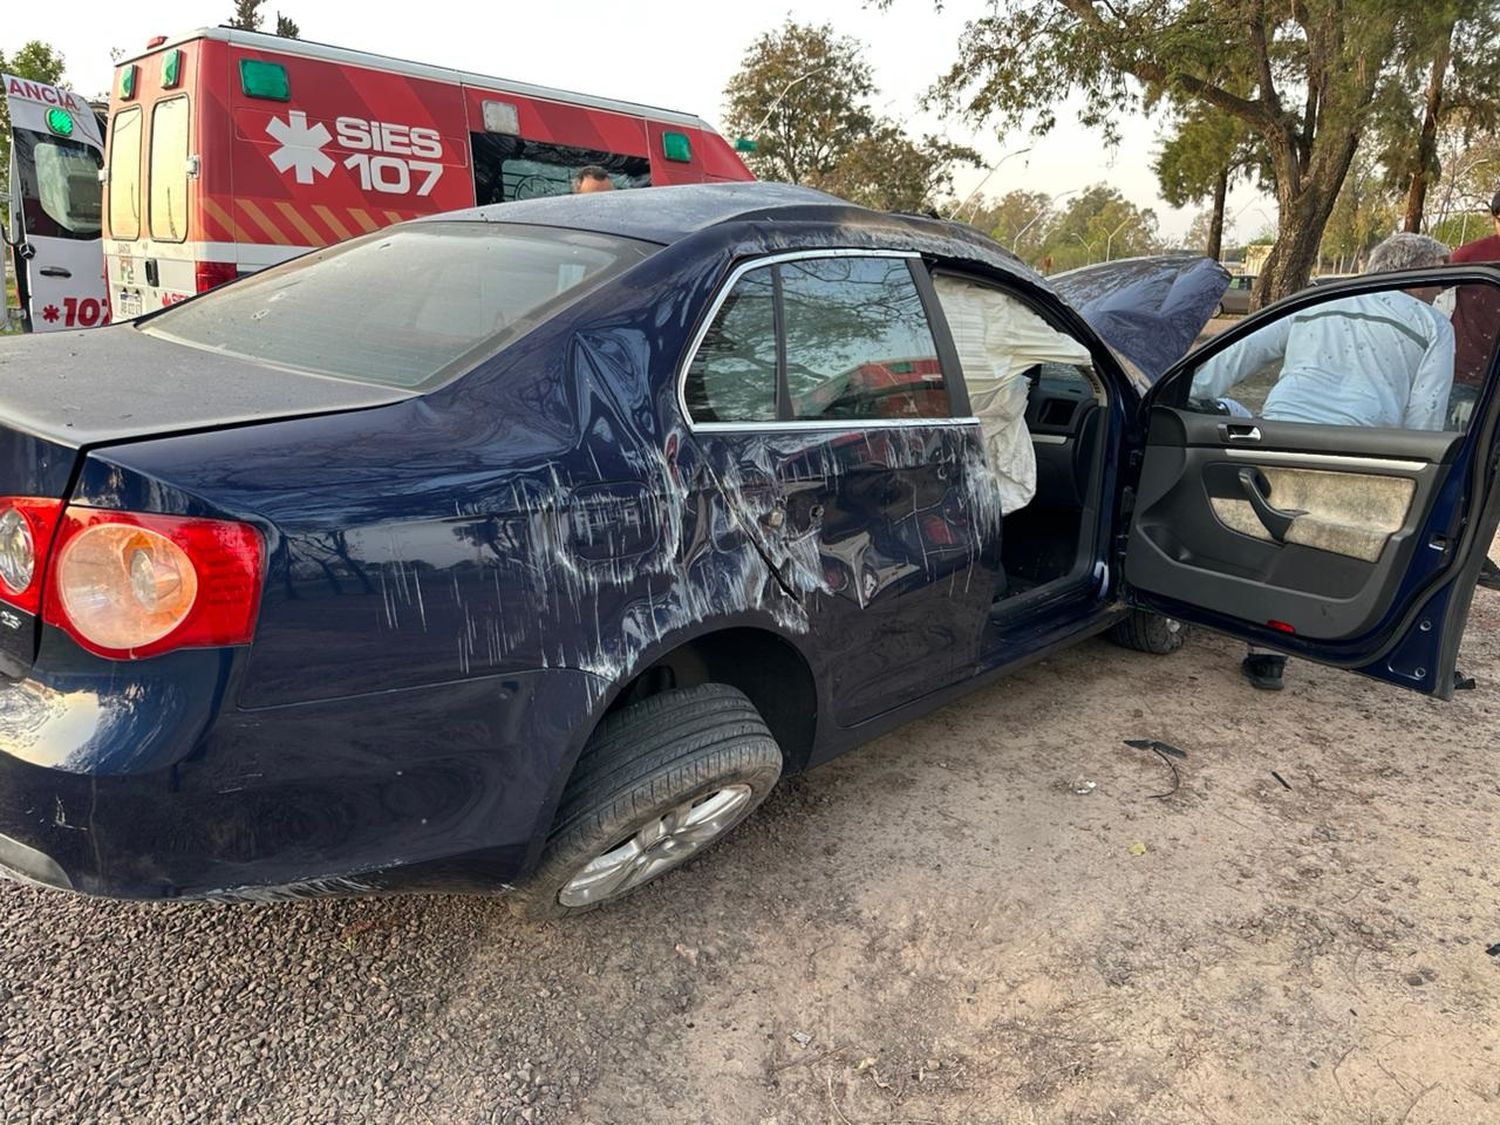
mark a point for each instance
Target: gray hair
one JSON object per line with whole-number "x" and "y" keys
{"x": 1407, "y": 252}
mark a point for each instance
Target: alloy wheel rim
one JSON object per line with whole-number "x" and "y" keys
{"x": 657, "y": 846}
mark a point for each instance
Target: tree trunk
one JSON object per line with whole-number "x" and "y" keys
{"x": 1305, "y": 199}
{"x": 1426, "y": 164}
{"x": 1215, "y": 248}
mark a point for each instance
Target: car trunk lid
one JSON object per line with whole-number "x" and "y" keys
{"x": 64, "y": 394}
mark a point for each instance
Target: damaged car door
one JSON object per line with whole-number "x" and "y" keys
{"x": 819, "y": 393}
{"x": 1321, "y": 480}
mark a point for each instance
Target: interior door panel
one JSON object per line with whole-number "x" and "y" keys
{"x": 1309, "y": 529}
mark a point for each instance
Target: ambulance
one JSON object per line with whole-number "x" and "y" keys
{"x": 230, "y": 151}
{"x": 52, "y": 236}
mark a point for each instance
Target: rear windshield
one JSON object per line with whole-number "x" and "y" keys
{"x": 406, "y": 307}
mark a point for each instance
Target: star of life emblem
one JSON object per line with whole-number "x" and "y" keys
{"x": 301, "y": 147}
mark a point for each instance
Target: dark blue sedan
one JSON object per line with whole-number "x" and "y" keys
{"x": 526, "y": 548}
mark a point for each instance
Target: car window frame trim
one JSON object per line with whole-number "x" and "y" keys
{"x": 805, "y": 424}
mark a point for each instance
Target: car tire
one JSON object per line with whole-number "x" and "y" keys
{"x": 1219, "y": 312}
{"x": 659, "y": 781}
{"x": 1149, "y": 632}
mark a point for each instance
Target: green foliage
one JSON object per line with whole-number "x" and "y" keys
{"x": 1204, "y": 144}
{"x": 1301, "y": 77}
{"x": 1456, "y": 230}
{"x": 1099, "y": 225}
{"x": 247, "y": 17}
{"x": 1448, "y": 82}
{"x": 1018, "y": 221}
{"x": 803, "y": 94}
{"x": 35, "y": 60}
{"x": 1364, "y": 214}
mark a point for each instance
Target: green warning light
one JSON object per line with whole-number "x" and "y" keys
{"x": 60, "y": 121}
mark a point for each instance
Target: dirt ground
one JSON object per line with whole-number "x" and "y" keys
{"x": 941, "y": 927}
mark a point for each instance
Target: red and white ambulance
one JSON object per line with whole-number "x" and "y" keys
{"x": 52, "y": 237}
{"x": 231, "y": 150}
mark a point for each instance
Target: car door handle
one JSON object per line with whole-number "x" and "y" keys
{"x": 1278, "y": 521}
{"x": 1231, "y": 431}
{"x": 54, "y": 271}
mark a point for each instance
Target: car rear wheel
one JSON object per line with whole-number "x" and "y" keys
{"x": 1149, "y": 632}
{"x": 659, "y": 782}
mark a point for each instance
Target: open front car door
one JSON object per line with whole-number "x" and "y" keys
{"x": 1321, "y": 480}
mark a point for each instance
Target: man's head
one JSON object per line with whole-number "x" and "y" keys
{"x": 1495, "y": 211}
{"x": 1403, "y": 251}
{"x": 1407, "y": 252}
{"x": 590, "y": 178}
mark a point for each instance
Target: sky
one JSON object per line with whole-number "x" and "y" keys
{"x": 660, "y": 52}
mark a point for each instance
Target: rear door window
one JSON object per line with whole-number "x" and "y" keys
{"x": 169, "y": 170}
{"x": 125, "y": 174}
{"x": 858, "y": 344}
{"x": 59, "y": 185}
{"x": 733, "y": 374}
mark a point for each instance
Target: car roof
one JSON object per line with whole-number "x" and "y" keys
{"x": 670, "y": 214}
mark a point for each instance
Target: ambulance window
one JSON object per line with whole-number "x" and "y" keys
{"x": 59, "y": 182}
{"x": 125, "y": 175}
{"x": 509, "y": 168}
{"x": 169, "y": 176}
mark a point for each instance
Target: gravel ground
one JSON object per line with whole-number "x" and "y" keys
{"x": 982, "y": 917}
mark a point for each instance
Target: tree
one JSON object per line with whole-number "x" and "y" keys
{"x": 1314, "y": 68}
{"x": 1450, "y": 81}
{"x": 1200, "y": 160}
{"x": 35, "y": 60}
{"x": 1200, "y": 230}
{"x": 1018, "y": 220}
{"x": 1098, "y": 226}
{"x": 247, "y": 17}
{"x": 802, "y": 94}
{"x": 1363, "y": 215}
{"x": 889, "y": 171}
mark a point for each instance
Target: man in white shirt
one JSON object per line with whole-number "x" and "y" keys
{"x": 1380, "y": 359}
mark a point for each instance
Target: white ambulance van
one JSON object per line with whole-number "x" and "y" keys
{"x": 53, "y": 235}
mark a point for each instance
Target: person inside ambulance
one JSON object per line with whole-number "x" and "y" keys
{"x": 591, "y": 178}
{"x": 1002, "y": 345}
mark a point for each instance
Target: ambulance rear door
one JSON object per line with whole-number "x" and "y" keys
{"x": 55, "y": 212}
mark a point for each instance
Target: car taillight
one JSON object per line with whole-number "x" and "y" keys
{"x": 126, "y": 585}
{"x": 26, "y": 527}
{"x": 211, "y": 274}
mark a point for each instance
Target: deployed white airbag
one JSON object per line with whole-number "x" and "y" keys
{"x": 999, "y": 339}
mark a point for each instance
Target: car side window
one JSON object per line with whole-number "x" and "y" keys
{"x": 733, "y": 374}
{"x": 1396, "y": 358}
{"x": 858, "y": 344}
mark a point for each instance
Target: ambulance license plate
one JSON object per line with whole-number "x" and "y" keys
{"x": 127, "y": 305}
